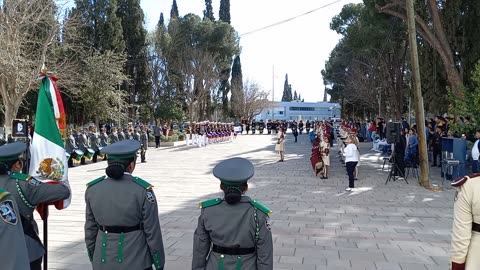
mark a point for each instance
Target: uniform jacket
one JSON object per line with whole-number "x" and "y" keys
{"x": 144, "y": 140}
{"x": 121, "y": 136}
{"x": 235, "y": 225}
{"x": 114, "y": 137}
{"x": 465, "y": 242}
{"x": 103, "y": 139}
{"x": 82, "y": 142}
{"x": 70, "y": 144}
{"x": 123, "y": 202}
{"x": 28, "y": 193}
{"x": 136, "y": 136}
{"x": 94, "y": 142}
{"x": 11, "y": 235}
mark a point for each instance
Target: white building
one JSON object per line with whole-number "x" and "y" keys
{"x": 295, "y": 110}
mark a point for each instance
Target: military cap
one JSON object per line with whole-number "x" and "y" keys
{"x": 12, "y": 151}
{"x": 234, "y": 171}
{"x": 121, "y": 149}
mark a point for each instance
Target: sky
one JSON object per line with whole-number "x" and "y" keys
{"x": 298, "y": 48}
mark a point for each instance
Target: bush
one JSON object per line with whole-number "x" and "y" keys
{"x": 181, "y": 137}
{"x": 163, "y": 138}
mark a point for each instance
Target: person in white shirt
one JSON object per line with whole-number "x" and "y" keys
{"x": 476, "y": 153}
{"x": 351, "y": 160}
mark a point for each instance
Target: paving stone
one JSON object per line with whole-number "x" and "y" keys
{"x": 315, "y": 223}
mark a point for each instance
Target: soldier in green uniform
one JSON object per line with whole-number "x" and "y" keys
{"x": 28, "y": 192}
{"x": 113, "y": 135}
{"x": 14, "y": 254}
{"x": 233, "y": 233}
{"x": 94, "y": 143}
{"x": 122, "y": 228}
{"x": 121, "y": 134}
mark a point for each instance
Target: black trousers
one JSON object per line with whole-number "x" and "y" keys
{"x": 157, "y": 141}
{"x": 36, "y": 265}
{"x": 437, "y": 153}
{"x": 350, "y": 171}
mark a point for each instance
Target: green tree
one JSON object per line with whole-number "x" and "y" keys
{"x": 295, "y": 96}
{"x": 166, "y": 105}
{"x": 224, "y": 13}
{"x": 208, "y": 12}
{"x": 174, "y": 11}
{"x": 134, "y": 35}
{"x": 286, "y": 90}
{"x": 237, "y": 97}
{"x": 101, "y": 27}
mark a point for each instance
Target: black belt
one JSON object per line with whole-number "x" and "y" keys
{"x": 120, "y": 229}
{"x": 476, "y": 227}
{"x": 232, "y": 251}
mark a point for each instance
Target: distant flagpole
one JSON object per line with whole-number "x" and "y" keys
{"x": 273, "y": 92}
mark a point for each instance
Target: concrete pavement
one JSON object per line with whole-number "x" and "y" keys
{"x": 315, "y": 223}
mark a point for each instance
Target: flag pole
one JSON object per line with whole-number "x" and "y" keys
{"x": 45, "y": 237}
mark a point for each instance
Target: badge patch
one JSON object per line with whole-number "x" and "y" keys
{"x": 150, "y": 196}
{"x": 34, "y": 182}
{"x": 8, "y": 212}
{"x": 268, "y": 224}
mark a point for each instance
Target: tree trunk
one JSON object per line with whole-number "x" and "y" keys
{"x": 436, "y": 39}
{"x": 11, "y": 110}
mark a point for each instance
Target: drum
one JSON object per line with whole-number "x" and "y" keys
{"x": 100, "y": 155}
{"x": 77, "y": 155}
{"x": 89, "y": 154}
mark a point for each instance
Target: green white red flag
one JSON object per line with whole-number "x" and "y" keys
{"x": 48, "y": 161}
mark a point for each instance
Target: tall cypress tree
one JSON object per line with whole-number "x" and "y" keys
{"x": 237, "y": 98}
{"x": 224, "y": 13}
{"x": 208, "y": 12}
{"x": 295, "y": 96}
{"x": 134, "y": 34}
{"x": 290, "y": 96}
{"x": 174, "y": 10}
{"x": 286, "y": 90}
{"x": 101, "y": 28}
{"x": 161, "y": 20}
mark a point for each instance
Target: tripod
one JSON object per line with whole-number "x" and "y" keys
{"x": 394, "y": 168}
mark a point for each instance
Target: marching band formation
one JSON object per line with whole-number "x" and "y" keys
{"x": 205, "y": 133}
{"x": 86, "y": 144}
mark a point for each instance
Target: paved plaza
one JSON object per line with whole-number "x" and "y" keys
{"x": 315, "y": 223}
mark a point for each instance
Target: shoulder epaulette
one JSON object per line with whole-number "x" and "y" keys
{"x": 96, "y": 181}
{"x": 261, "y": 207}
{"x": 3, "y": 193}
{"x": 142, "y": 183}
{"x": 20, "y": 176}
{"x": 209, "y": 203}
{"x": 462, "y": 180}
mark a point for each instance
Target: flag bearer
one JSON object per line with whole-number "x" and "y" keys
{"x": 28, "y": 193}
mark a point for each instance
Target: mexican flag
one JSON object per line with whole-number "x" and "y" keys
{"x": 48, "y": 161}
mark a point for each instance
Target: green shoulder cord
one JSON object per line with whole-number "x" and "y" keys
{"x": 257, "y": 226}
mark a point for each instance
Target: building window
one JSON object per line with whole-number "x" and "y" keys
{"x": 280, "y": 112}
{"x": 305, "y": 109}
